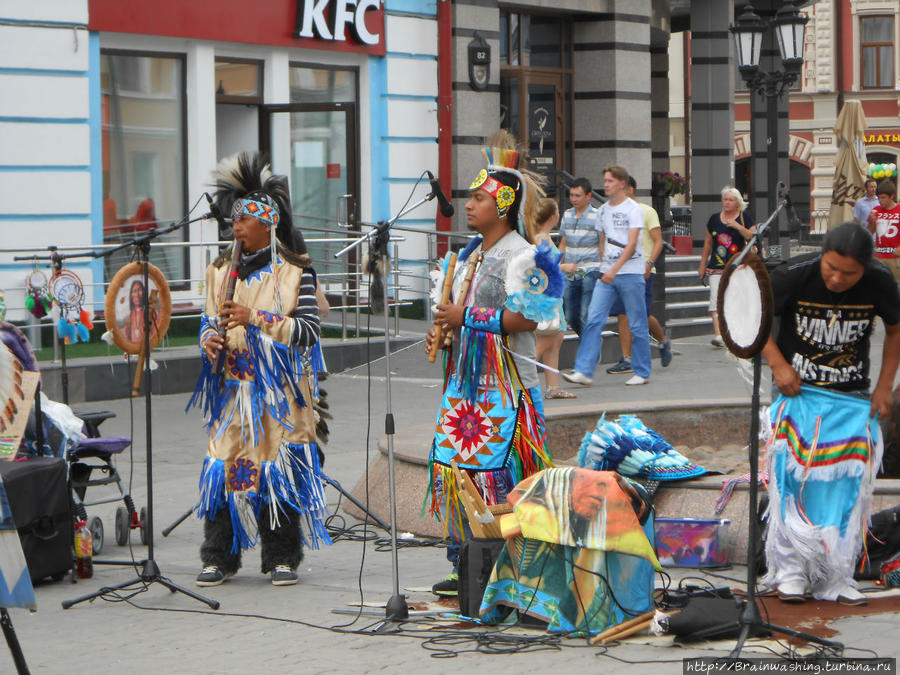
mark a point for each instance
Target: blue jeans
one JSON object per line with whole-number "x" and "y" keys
{"x": 577, "y": 300}
{"x": 630, "y": 289}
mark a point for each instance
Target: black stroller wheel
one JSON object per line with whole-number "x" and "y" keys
{"x": 123, "y": 519}
{"x": 144, "y": 525}
{"x": 95, "y": 525}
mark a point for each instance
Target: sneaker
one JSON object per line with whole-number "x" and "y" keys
{"x": 577, "y": 378}
{"x": 637, "y": 379}
{"x": 852, "y": 597}
{"x": 623, "y": 366}
{"x": 283, "y": 575}
{"x": 792, "y": 591}
{"x": 717, "y": 341}
{"x": 212, "y": 576}
{"x": 449, "y": 587}
{"x": 665, "y": 352}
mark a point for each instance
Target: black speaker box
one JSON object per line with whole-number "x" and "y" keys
{"x": 476, "y": 562}
{"x": 39, "y": 500}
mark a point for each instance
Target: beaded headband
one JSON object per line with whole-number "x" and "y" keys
{"x": 258, "y": 205}
{"x": 504, "y": 194}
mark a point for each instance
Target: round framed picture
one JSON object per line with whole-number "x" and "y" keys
{"x": 125, "y": 307}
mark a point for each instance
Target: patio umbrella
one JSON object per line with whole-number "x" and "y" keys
{"x": 850, "y": 167}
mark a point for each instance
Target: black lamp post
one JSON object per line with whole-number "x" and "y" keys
{"x": 790, "y": 31}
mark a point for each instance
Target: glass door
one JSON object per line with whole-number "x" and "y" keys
{"x": 533, "y": 108}
{"x": 314, "y": 144}
{"x": 544, "y": 125}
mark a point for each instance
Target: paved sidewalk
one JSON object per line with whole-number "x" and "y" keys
{"x": 180, "y": 635}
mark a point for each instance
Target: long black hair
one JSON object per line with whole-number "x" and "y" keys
{"x": 850, "y": 239}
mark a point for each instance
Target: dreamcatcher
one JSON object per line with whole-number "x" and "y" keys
{"x": 37, "y": 296}
{"x": 67, "y": 291}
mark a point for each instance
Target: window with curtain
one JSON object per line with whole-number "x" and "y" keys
{"x": 144, "y": 172}
{"x": 876, "y": 45}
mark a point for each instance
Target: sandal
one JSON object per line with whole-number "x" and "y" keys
{"x": 556, "y": 392}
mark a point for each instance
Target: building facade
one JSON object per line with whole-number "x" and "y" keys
{"x": 114, "y": 116}
{"x": 850, "y": 53}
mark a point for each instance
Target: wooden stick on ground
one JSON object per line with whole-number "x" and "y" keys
{"x": 637, "y": 628}
{"x": 625, "y": 625}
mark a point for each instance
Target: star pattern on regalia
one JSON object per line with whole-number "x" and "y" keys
{"x": 240, "y": 364}
{"x": 469, "y": 429}
{"x": 242, "y": 475}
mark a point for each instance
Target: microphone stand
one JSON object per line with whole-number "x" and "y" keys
{"x": 750, "y": 619}
{"x": 396, "y": 609}
{"x": 150, "y": 572}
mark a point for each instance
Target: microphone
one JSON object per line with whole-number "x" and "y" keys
{"x": 446, "y": 208}
{"x": 785, "y": 195}
{"x": 224, "y": 231}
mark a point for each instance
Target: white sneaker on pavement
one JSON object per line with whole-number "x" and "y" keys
{"x": 577, "y": 378}
{"x": 792, "y": 590}
{"x": 852, "y": 596}
{"x": 637, "y": 379}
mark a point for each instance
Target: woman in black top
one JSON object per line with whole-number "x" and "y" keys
{"x": 727, "y": 233}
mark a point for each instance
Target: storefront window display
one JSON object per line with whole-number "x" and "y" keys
{"x": 143, "y": 154}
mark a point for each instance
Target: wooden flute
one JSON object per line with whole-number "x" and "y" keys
{"x": 229, "y": 295}
{"x": 445, "y": 298}
{"x": 463, "y": 292}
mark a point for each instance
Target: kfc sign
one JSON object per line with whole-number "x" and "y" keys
{"x": 330, "y": 19}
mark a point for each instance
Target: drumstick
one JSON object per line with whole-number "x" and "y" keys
{"x": 139, "y": 372}
{"x": 136, "y": 386}
{"x": 445, "y": 298}
{"x": 628, "y": 632}
{"x": 463, "y": 292}
{"x": 618, "y": 628}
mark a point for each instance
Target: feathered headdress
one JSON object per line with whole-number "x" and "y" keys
{"x": 244, "y": 183}
{"x": 506, "y": 178}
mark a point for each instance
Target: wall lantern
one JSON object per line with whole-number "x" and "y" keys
{"x": 479, "y": 63}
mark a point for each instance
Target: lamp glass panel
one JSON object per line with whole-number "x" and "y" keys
{"x": 748, "y": 46}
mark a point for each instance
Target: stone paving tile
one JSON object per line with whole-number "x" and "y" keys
{"x": 102, "y": 637}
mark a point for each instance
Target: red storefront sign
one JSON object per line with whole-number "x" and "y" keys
{"x": 341, "y": 25}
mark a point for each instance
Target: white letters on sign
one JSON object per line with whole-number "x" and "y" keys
{"x": 313, "y": 23}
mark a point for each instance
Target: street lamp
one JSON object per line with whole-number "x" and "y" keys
{"x": 790, "y": 31}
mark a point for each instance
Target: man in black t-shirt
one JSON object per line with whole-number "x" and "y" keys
{"x": 828, "y": 303}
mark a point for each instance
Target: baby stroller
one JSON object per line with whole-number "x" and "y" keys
{"x": 94, "y": 456}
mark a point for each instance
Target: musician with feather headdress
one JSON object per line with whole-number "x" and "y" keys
{"x": 491, "y": 419}
{"x": 261, "y": 475}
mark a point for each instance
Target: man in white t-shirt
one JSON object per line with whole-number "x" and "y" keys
{"x": 619, "y": 222}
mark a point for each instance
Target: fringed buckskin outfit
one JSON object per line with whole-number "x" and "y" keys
{"x": 261, "y": 475}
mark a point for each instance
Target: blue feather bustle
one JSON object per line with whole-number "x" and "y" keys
{"x": 632, "y": 449}
{"x": 546, "y": 304}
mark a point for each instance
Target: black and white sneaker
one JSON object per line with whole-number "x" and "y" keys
{"x": 212, "y": 576}
{"x": 448, "y": 587}
{"x": 283, "y": 575}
